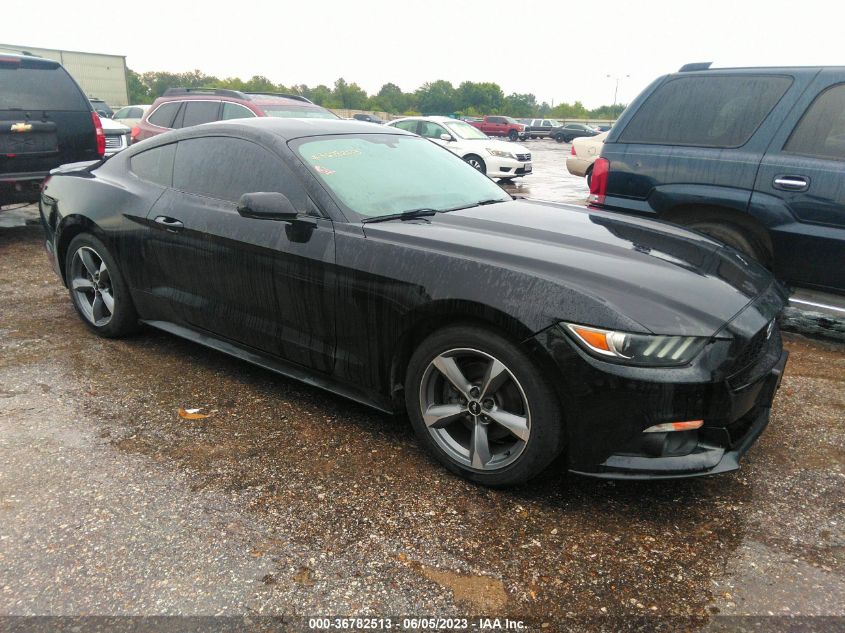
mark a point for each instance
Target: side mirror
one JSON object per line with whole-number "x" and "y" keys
{"x": 266, "y": 205}
{"x": 446, "y": 137}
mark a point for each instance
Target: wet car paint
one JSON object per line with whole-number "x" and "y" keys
{"x": 356, "y": 300}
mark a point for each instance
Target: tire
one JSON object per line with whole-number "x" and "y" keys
{"x": 731, "y": 235}
{"x": 477, "y": 162}
{"x": 559, "y": 138}
{"x": 513, "y": 136}
{"x": 461, "y": 434}
{"x": 97, "y": 288}
{"x": 589, "y": 175}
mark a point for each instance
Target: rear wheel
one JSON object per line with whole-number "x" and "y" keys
{"x": 477, "y": 162}
{"x": 481, "y": 406}
{"x": 513, "y": 135}
{"x": 560, "y": 138}
{"x": 97, "y": 288}
{"x": 589, "y": 175}
{"x": 732, "y": 235}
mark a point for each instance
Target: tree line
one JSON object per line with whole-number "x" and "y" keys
{"x": 438, "y": 97}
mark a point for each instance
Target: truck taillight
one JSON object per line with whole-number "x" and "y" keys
{"x": 101, "y": 136}
{"x": 598, "y": 180}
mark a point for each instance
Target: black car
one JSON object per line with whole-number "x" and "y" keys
{"x": 754, "y": 157}
{"x": 571, "y": 131}
{"x": 45, "y": 120}
{"x": 369, "y": 118}
{"x": 380, "y": 266}
{"x": 101, "y": 107}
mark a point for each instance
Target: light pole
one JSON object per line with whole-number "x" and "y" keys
{"x": 616, "y": 89}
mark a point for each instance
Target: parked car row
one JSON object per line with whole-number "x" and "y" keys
{"x": 562, "y": 133}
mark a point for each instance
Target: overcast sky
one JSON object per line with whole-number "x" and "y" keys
{"x": 557, "y": 51}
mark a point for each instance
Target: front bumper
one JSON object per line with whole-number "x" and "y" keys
{"x": 710, "y": 451}
{"x": 507, "y": 167}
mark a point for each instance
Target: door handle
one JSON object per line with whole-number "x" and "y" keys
{"x": 170, "y": 224}
{"x": 791, "y": 183}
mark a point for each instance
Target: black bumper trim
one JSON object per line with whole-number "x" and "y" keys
{"x": 707, "y": 459}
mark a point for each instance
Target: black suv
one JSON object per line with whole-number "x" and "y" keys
{"x": 45, "y": 121}
{"x": 754, "y": 157}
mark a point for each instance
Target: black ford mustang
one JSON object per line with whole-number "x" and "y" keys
{"x": 379, "y": 266}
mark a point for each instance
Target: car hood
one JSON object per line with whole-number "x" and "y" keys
{"x": 660, "y": 276}
{"x": 502, "y": 146}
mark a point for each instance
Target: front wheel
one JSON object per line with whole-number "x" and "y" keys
{"x": 477, "y": 162}
{"x": 97, "y": 288}
{"x": 481, "y": 407}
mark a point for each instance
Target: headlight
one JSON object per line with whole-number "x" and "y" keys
{"x": 650, "y": 350}
{"x": 500, "y": 153}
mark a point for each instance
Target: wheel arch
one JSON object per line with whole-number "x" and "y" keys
{"x": 444, "y": 313}
{"x": 685, "y": 214}
{"x": 69, "y": 228}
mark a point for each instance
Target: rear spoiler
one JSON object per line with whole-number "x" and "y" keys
{"x": 83, "y": 167}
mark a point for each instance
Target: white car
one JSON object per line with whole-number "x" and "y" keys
{"x": 130, "y": 115}
{"x": 497, "y": 159}
{"x": 585, "y": 151}
{"x": 117, "y": 136}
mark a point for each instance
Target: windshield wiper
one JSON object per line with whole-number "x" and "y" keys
{"x": 405, "y": 215}
{"x": 480, "y": 203}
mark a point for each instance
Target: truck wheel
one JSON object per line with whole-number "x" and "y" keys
{"x": 513, "y": 135}
{"x": 731, "y": 235}
{"x": 477, "y": 162}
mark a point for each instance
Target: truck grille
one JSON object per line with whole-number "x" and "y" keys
{"x": 114, "y": 141}
{"x": 523, "y": 158}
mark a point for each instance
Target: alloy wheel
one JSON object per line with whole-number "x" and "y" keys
{"x": 91, "y": 285}
{"x": 475, "y": 409}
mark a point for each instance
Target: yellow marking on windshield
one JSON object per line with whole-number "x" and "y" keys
{"x": 338, "y": 153}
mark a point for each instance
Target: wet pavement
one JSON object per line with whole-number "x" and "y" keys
{"x": 290, "y": 501}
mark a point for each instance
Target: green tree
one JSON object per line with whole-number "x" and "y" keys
{"x": 438, "y": 97}
{"x": 484, "y": 97}
{"x": 349, "y": 96}
{"x": 520, "y": 105}
{"x": 391, "y": 99}
{"x": 139, "y": 93}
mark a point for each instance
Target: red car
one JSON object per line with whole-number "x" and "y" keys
{"x": 184, "y": 107}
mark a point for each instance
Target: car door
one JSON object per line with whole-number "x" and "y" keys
{"x": 265, "y": 284}
{"x": 801, "y": 180}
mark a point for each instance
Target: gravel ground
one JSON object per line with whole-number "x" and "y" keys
{"x": 290, "y": 501}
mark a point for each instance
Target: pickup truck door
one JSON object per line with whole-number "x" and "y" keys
{"x": 800, "y": 187}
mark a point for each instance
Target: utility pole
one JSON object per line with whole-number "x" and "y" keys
{"x": 616, "y": 89}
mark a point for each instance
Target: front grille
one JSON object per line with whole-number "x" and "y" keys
{"x": 523, "y": 158}
{"x": 756, "y": 346}
{"x": 114, "y": 141}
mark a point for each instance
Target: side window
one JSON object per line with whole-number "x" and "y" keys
{"x": 821, "y": 131}
{"x": 134, "y": 113}
{"x": 123, "y": 113}
{"x": 164, "y": 114}
{"x": 236, "y": 111}
{"x": 706, "y": 111}
{"x": 197, "y": 112}
{"x": 408, "y": 126}
{"x": 225, "y": 168}
{"x": 431, "y": 130}
{"x": 155, "y": 165}
{"x": 547, "y": 123}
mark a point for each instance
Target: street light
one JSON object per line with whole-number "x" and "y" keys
{"x": 616, "y": 89}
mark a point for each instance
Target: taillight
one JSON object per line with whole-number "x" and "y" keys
{"x": 135, "y": 132}
{"x": 598, "y": 180}
{"x": 101, "y": 136}
{"x": 572, "y": 150}
{"x": 45, "y": 181}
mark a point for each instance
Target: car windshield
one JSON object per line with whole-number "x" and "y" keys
{"x": 297, "y": 113}
{"x": 465, "y": 130}
{"x": 375, "y": 175}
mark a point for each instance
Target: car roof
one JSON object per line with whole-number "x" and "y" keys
{"x": 434, "y": 118}
{"x": 282, "y": 127}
